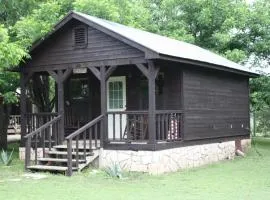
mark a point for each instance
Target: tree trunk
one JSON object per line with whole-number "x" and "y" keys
{"x": 4, "y": 120}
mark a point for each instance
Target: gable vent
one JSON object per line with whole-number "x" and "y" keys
{"x": 80, "y": 37}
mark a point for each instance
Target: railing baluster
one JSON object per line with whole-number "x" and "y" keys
{"x": 162, "y": 126}
{"x": 36, "y": 146}
{"x": 77, "y": 150}
{"x": 141, "y": 126}
{"x": 113, "y": 126}
{"x": 90, "y": 139}
{"x": 135, "y": 134}
{"x": 43, "y": 141}
{"x": 120, "y": 116}
{"x": 96, "y": 130}
{"x": 84, "y": 144}
{"x": 127, "y": 128}
{"x": 158, "y": 126}
{"x": 50, "y": 136}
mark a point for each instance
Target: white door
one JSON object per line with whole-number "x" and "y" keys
{"x": 116, "y": 101}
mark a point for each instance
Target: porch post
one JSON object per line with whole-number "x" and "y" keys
{"x": 60, "y": 76}
{"x": 103, "y": 97}
{"x": 23, "y": 81}
{"x": 61, "y": 110}
{"x": 152, "y": 71}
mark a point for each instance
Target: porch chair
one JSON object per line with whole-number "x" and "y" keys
{"x": 137, "y": 128}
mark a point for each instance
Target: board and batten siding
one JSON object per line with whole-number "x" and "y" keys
{"x": 60, "y": 49}
{"x": 216, "y": 104}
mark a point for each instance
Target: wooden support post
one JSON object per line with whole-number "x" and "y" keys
{"x": 61, "y": 111}
{"x": 60, "y": 78}
{"x": 152, "y": 72}
{"x": 103, "y": 97}
{"x": 23, "y": 108}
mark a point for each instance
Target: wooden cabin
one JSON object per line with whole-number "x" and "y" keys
{"x": 124, "y": 93}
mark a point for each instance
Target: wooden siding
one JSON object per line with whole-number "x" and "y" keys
{"x": 216, "y": 104}
{"x": 60, "y": 49}
{"x": 137, "y": 88}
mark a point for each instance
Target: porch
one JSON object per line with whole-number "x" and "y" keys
{"x": 103, "y": 118}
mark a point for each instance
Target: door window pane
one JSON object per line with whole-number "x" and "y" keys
{"x": 115, "y": 95}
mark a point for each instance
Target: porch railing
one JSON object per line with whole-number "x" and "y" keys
{"x": 169, "y": 125}
{"x": 132, "y": 126}
{"x": 43, "y": 137}
{"x": 14, "y": 124}
{"x": 127, "y": 126}
{"x": 36, "y": 120}
{"x": 77, "y": 142}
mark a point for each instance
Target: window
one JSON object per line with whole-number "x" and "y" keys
{"x": 79, "y": 89}
{"x": 116, "y": 95}
{"x": 80, "y": 36}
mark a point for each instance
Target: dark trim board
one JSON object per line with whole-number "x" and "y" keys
{"x": 207, "y": 65}
{"x": 74, "y": 65}
{"x": 170, "y": 145}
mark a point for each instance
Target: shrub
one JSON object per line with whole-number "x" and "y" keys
{"x": 114, "y": 171}
{"x": 6, "y": 157}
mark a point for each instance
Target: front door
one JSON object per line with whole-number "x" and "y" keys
{"x": 116, "y": 102}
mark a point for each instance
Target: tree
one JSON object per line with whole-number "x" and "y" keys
{"x": 11, "y": 54}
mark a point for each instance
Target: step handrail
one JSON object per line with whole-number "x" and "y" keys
{"x": 44, "y": 126}
{"x": 45, "y": 129}
{"x": 90, "y": 129}
{"x": 85, "y": 127}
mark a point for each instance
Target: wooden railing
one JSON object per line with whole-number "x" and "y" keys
{"x": 127, "y": 126}
{"x": 78, "y": 141}
{"x": 169, "y": 125}
{"x": 130, "y": 126}
{"x": 35, "y": 120}
{"x": 45, "y": 137}
{"x": 14, "y": 124}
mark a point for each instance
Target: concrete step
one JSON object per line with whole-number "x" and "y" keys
{"x": 50, "y": 168}
{"x": 59, "y": 160}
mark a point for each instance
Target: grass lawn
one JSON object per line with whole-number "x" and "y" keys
{"x": 243, "y": 178}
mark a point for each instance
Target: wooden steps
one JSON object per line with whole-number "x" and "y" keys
{"x": 64, "y": 153}
{"x": 56, "y": 160}
{"x": 50, "y": 168}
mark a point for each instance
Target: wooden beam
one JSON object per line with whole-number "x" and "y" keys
{"x": 143, "y": 69}
{"x": 54, "y": 75}
{"x": 103, "y": 97}
{"x": 66, "y": 74}
{"x": 95, "y": 71}
{"x": 152, "y": 103}
{"x": 23, "y": 108}
{"x": 109, "y": 71}
{"x": 155, "y": 68}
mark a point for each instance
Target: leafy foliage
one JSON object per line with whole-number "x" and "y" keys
{"x": 114, "y": 171}
{"x": 6, "y": 158}
{"x": 235, "y": 29}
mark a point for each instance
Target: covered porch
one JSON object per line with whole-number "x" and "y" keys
{"x": 120, "y": 107}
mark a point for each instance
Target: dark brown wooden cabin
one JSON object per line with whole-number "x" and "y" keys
{"x": 122, "y": 88}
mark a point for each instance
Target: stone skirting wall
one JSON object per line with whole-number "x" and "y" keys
{"x": 32, "y": 157}
{"x": 169, "y": 160}
{"x": 246, "y": 145}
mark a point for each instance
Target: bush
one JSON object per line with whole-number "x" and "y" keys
{"x": 114, "y": 171}
{"x": 6, "y": 157}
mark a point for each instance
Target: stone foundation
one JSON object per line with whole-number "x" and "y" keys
{"x": 170, "y": 160}
{"x": 22, "y": 153}
{"x": 246, "y": 144}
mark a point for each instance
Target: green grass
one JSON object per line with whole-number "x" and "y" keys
{"x": 243, "y": 178}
